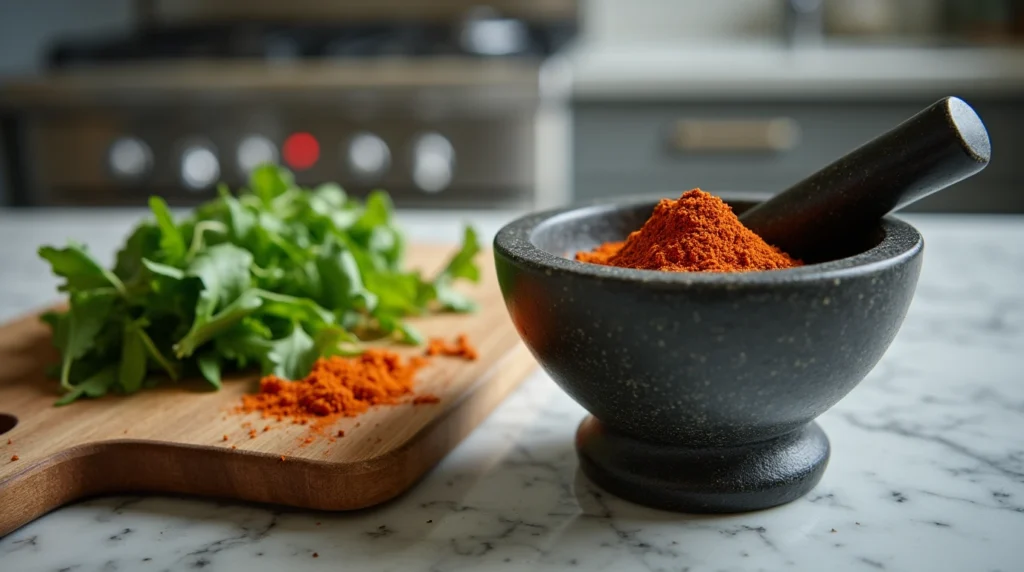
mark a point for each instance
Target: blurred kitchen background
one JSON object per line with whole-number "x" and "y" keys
{"x": 503, "y": 104}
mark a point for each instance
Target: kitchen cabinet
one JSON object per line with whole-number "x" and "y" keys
{"x": 639, "y": 146}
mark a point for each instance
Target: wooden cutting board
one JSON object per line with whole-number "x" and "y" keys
{"x": 172, "y": 439}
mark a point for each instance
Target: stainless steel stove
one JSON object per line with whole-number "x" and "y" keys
{"x": 440, "y": 114}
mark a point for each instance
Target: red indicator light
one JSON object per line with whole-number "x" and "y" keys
{"x": 301, "y": 151}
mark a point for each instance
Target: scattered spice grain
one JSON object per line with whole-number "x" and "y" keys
{"x": 462, "y": 348}
{"x": 14, "y": 458}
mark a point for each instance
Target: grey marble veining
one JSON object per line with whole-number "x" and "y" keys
{"x": 927, "y": 470}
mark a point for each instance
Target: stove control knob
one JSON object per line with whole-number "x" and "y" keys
{"x": 433, "y": 163}
{"x": 368, "y": 157}
{"x": 129, "y": 159}
{"x": 254, "y": 151}
{"x": 200, "y": 168}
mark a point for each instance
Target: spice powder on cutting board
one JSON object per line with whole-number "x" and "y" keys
{"x": 339, "y": 387}
{"x": 336, "y": 387}
{"x": 697, "y": 232}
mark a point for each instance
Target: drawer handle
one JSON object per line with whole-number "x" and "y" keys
{"x": 735, "y": 135}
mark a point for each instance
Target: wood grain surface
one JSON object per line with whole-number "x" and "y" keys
{"x": 172, "y": 439}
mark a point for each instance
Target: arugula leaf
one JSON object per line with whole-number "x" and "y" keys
{"x": 144, "y": 242}
{"x": 240, "y": 220}
{"x": 171, "y": 240}
{"x": 59, "y": 323}
{"x": 293, "y": 355}
{"x": 96, "y": 385}
{"x": 342, "y": 284}
{"x": 461, "y": 264}
{"x": 156, "y": 354}
{"x": 87, "y": 314}
{"x": 209, "y": 366}
{"x": 207, "y": 326}
{"x": 133, "y": 360}
{"x": 79, "y": 269}
{"x": 405, "y": 333}
{"x": 247, "y": 341}
{"x": 453, "y": 300}
{"x": 225, "y": 272}
{"x": 397, "y": 293}
{"x": 293, "y": 308}
{"x": 269, "y": 182}
{"x": 335, "y": 340}
{"x": 376, "y": 214}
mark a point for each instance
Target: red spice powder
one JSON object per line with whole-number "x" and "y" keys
{"x": 698, "y": 232}
{"x": 14, "y": 458}
{"x": 461, "y": 348}
{"x": 225, "y": 438}
{"x": 336, "y": 387}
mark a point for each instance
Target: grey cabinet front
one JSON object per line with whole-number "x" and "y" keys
{"x": 623, "y": 148}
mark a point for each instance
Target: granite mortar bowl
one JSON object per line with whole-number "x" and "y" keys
{"x": 703, "y": 387}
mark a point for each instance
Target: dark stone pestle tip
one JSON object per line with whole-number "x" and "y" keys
{"x": 973, "y": 134}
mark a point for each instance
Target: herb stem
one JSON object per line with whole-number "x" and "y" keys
{"x": 197, "y": 235}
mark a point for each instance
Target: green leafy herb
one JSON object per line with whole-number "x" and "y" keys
{"x": 209, "y": 366}
{"x": 171, "y": 241}
{"x": 272, "y": 277}
{"x": 460, "y": 266}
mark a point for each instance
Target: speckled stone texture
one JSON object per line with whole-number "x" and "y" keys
{"x": 703, "y": 361}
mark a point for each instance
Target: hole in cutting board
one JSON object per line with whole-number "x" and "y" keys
{"x": 7, "y": 422}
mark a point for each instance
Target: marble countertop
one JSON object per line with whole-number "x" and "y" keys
{"x": 766, "y": 70}
{"x": 927, "y": 469}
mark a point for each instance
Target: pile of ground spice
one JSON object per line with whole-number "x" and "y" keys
{"x": 461, "y": 348}
{"x": 336, "y": 387}
{"x": 697, "y": 232}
